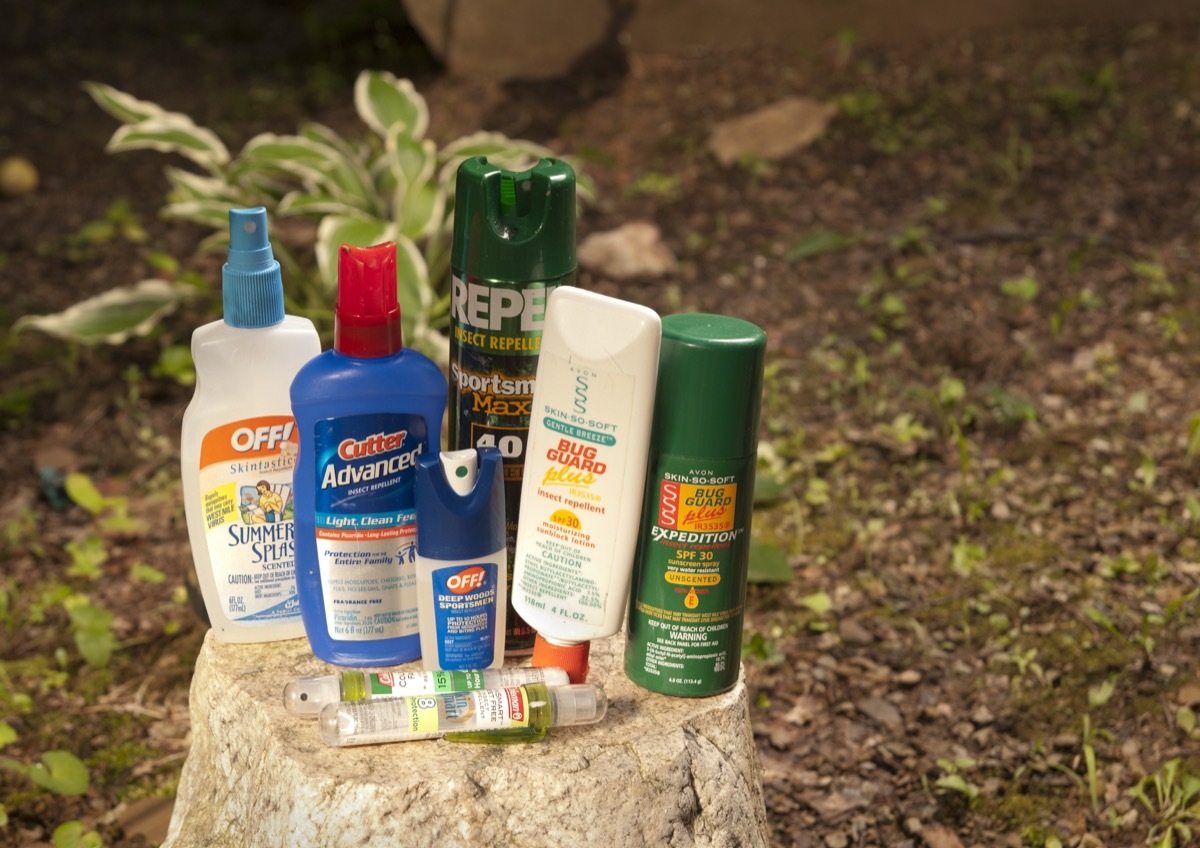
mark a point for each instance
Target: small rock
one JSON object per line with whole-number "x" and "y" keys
{"x": 909, "y": 677}
{"x": 1189, "y": 695}
{"x": 635, "y": 249}
{"x": 837, "y": 840}
{"x": 772, "y": 132}
{"x": 881, "y": 711}
{"x": 982, "y": 716}
{"x": 18, "y": 176}
{"x": 854, "y": 633}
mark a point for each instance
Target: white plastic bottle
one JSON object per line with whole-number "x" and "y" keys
{"x": 238, "y": 445}
{"x": 585, "y": 471}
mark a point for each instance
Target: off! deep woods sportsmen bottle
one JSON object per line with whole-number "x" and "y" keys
{"x": 514, "y": 243}
{"x": 689, "y": 583}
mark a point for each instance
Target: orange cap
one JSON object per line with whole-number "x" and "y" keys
{"x": 573, "y": 659}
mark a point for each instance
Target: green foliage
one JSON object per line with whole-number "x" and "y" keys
{"x": 394, "y": 184}
{"x": 60, "y": 772}
{"x": 1172, "y": 796}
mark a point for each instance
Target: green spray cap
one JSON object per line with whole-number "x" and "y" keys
{"x": 514, "y": 226}
{"x": 710, "y": 374}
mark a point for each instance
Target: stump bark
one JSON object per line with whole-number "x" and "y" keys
{"x": 657, "y": 771}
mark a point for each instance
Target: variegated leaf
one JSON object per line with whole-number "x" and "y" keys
{"x": 114, "y": 316}
{"x": 189, "y": 185}
{"x": 321, "y": 168}
{"x": 208, "y": 213}
{"x": 502, "y": 151}
{"x": 172, "y": 132}
{"x": 124, "y": 107}
{"x": 383, "y": 101}
{"x": 419, "y": 210}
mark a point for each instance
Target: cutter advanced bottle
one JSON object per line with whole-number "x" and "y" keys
{"x": 238, "y": 445}
{"x": 684, "y": 632}
{"x": 365, "y": 412}
{"x": 514, "y": 243}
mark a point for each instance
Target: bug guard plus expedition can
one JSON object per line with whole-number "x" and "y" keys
{"x": 514, "y": 243}
{"x": 689, "y": 584}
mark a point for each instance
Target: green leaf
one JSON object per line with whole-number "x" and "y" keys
{"x": 111, "y": 317}
{"x": 7, "y": 734}
{"x": 96, "y": 647}
{"x": 146, "y": 573}
{"x": 124, "y": 107}
{"x": 83, "y": 491}
{"x": 383, "y": 102}
{"x": 336, "y": 230}
{"x": 818, "y": 242}
{"x": 314, "y": 205}
{"x": 768, "y": 564}
{"x": 172, "y": 132}
{"x": 1022, "y": 288}
{"x": 818, "y": 602}
{"x": 207, "y": 213}
{"x": 61, "y": 772}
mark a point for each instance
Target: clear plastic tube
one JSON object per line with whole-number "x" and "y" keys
{"x": 307, "y": 696}
{"x": 514, "y": 714}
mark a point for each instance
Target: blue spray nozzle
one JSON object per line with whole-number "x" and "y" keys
{"x": 248, "y": 243}
{"x": 251, "y": 285}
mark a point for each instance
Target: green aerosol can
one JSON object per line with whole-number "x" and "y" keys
{"x": 514, "y": 243}
{"x": 684, "y": 634}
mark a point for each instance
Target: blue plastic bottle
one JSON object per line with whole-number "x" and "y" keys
{"x": 365, "y": 412}
{"x": 462, "y": 559}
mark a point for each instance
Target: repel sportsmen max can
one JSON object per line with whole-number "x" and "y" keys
{"x": 689, "y": 582}
{"x": 514, "y": 242}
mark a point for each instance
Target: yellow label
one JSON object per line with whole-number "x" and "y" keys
{"x": 220, "y": 505}
{"x": 707, "y": 508}
{"x": 683, "y": 579}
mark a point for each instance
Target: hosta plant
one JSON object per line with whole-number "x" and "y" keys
{"x": 393, "y": 184}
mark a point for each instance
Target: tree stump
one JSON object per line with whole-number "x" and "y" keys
{"x": 657, "y": 771}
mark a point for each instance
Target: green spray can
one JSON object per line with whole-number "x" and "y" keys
{"x": 684, "y": 634}
{"x": 514, "y": 243}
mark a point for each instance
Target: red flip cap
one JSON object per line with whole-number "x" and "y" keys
{"x": 366, "y": 322}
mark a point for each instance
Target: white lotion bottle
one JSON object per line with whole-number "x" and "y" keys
{"x": 238, "y": 445}
{"x": 585, "y": 472}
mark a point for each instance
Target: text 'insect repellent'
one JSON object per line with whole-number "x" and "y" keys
{"x": 585, "y": 473}
{"x": 366, "y": 411}
{"x": 462, "y": 561}
{"x": 238, "y": 445}
{"x": 514, "y": 243}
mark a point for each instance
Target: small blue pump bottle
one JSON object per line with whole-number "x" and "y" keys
{"x": 462, "y": 561}
{"x": 365, "y": 413}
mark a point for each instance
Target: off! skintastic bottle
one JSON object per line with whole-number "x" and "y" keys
{"x": 238, "y": 445}
{"x": 687, "y": 605}
{"x": 514, "y": 243}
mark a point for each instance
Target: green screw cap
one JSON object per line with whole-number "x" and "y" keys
{"x": 710, "y": 375}
{"x": 514, "y": 227}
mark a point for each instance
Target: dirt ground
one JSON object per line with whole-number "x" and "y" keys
{"x": 981, "y": 288}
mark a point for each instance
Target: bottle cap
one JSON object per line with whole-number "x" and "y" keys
{"x": 366, "y": 322}
{"x": 454, "y": 525}
{"x": 251, "y": 286}
{"x": 710, "y": 370}
{"x": 307, "y": 695}
{"x": 585, "y": 703}
{"x": 573, "y": 659}
{"x": 514, "y": 226}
